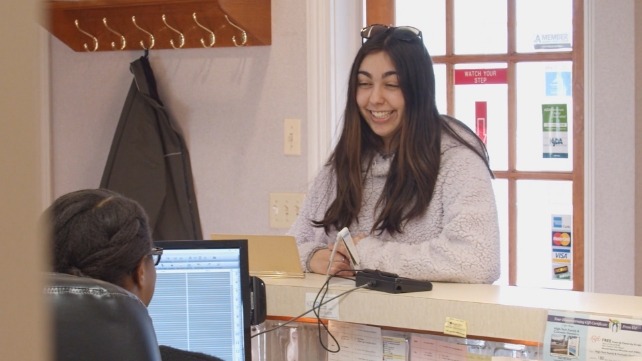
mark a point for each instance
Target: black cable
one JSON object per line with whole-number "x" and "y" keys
{"x": 325, "y": 288}
{"x": 312, "y": 309}
{"x": 323, "y": 291}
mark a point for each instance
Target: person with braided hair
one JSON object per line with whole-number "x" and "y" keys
{"x": 101, "y": 234}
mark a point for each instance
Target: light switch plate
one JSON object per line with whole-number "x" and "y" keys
{"x": 284, "y": 208}
{"x": 292, "y": 137}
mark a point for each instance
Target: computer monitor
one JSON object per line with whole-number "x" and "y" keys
{"x": 202, "y": 298}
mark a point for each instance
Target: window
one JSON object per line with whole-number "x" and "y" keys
{"x": 513, "y": 71}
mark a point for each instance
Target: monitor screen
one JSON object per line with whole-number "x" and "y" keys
{"x": 202, "y": 298}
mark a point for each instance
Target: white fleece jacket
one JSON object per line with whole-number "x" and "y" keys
{"x": 457, "y": 239}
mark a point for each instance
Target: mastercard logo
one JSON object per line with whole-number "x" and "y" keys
{"x": 561, "y": 239}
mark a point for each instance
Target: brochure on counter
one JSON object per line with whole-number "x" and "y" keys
{"x": 575, "y": 336}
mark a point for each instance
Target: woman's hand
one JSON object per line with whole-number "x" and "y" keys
{"x": 320, "y": 262}
{"x": 341, "y": 248}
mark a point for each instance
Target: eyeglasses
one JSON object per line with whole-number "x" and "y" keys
{"x": 156, "y": 254}
{"x": 404, "y": 33}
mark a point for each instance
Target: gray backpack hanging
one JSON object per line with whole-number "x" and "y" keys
{"x": 149, "y": 161}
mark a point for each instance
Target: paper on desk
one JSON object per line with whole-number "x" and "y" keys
{"x": 395, "y": 346}
{"x": 423, "y": 347}
{"x": 357, "y": 342}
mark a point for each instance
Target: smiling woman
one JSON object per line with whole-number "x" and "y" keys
{"x": 412, "y": 186}
{"x": 379, "y": 97}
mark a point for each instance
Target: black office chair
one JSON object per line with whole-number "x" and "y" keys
{"x": 98, "y": 321}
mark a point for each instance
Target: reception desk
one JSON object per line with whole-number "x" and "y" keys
{"x": 491, "y": 312}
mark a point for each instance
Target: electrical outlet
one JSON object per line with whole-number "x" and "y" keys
{"x": 284, "y": 208}
{"x": 292, "y": 137}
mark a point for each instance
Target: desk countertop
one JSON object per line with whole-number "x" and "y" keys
{"x": 504, "y": 312}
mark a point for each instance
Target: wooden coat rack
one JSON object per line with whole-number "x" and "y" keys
{"x": 108, "y": 25}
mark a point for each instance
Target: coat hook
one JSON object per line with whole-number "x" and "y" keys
{"x": 243, "y": 35}
{"x": 181, "y": 36}
{"x": 212, "y": 36}
{"x": 93, "y": 38}
{"x": 152, "y": 41}
{"x": 123, "y": 41}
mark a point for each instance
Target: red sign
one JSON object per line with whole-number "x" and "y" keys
{"x": 481, "y": 120}
{"x": 480, "y": 76}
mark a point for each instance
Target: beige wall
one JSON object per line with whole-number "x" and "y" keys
{"x": 22, "y": 318}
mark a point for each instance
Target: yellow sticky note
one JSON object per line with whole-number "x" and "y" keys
{"x": 455, "y": 327}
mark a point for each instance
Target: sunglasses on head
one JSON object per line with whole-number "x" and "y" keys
{"x": 404, "y": 33}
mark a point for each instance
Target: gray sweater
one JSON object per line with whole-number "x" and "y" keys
{"x": 456, "y": 240}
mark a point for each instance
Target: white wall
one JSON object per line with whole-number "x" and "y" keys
{"x": 610, "y": 107}
{"x": 230, "y": 103}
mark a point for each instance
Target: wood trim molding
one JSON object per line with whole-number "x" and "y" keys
{"x": 380, "y": 12}
{"x": 101, "y": 25}
{"x": 318, "y": 50}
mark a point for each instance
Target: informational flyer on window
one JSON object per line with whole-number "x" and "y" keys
{"x": 562, "y": 246}
{"x": 555, "y": 130}
{"x": 558, "y": 83}
{"x": 481, "y": 121}
{"x": 574, "y": 336}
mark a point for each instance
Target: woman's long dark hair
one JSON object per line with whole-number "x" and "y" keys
{"x": 98, "y": 233}
{"x": 417, "y": 146}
